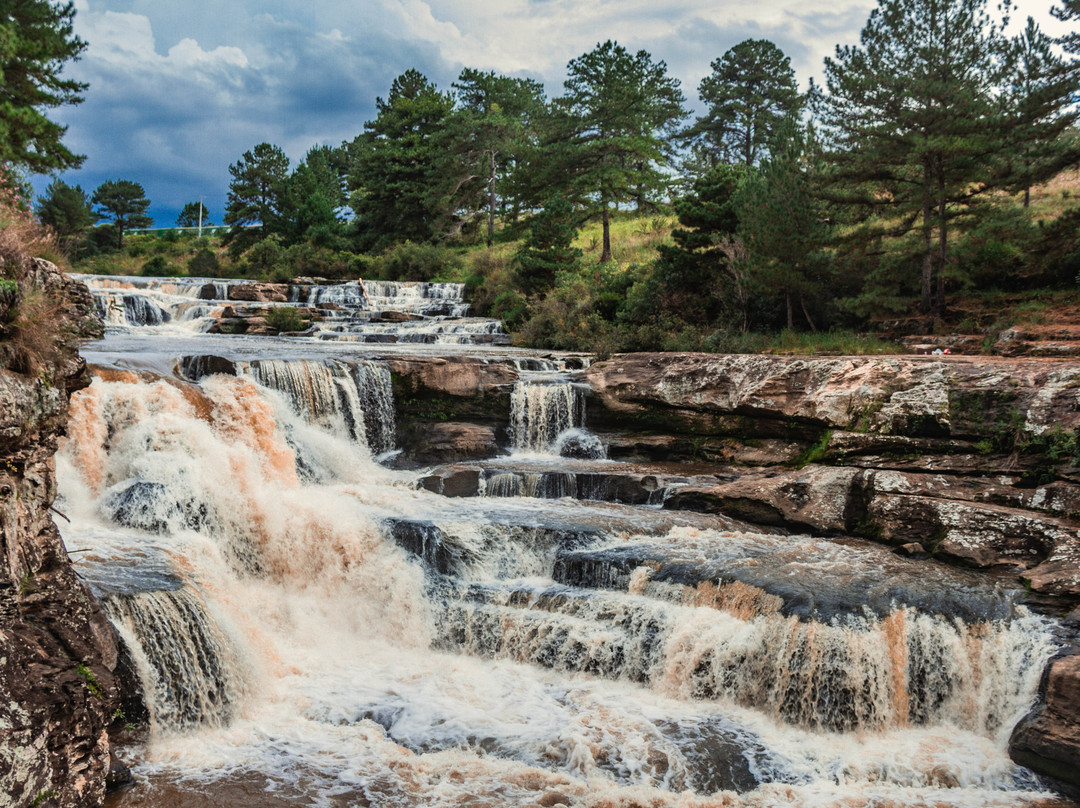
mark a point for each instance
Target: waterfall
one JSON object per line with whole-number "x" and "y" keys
{"x": 342, "y": 637}
{"x": 541, "y": 412}
{"x": 187, "y": 672}
{"x": 347, "y": 398}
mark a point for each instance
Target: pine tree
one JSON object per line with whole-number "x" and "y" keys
{"x": 548, "y": 249}
{"x": 487, "y": 134}
{"x": 67, "y": 210}
{"x": 36, "y": 39}
{"x": 258, "y": 181}
{"x": 125, "y": 203}
{"x": 395, "y": 175}
{"x": 917, "y": 128}
{"x": 782, "y": 223}
{"x": 1041, "y": 89}
{"x": 617, "y": 117}
{"x": 751, "y": 90}
{"x": 194, "y": 214}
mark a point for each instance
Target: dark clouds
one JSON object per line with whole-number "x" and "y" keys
{"x": 178, "y": 91}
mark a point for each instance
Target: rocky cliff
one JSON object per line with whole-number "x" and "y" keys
{"x": 58, "y": 651}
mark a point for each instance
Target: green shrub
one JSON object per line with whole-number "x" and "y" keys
{"x": 157, "y": 267}
{"x": 204, "y": 263}
{"x": 285, "y": 318}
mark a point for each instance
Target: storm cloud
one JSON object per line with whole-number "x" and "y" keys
{"x": 178, "y": 91}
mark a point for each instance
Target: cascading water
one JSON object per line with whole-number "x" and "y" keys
{"x": 342, "y": 638}
{"x": 548, "y": 416}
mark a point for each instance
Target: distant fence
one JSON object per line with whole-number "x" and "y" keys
{"x": 207, "y": 229}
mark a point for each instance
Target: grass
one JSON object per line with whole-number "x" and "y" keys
{"x": 800, "y": 343}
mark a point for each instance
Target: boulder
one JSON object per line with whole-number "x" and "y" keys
{"x": 260, "y": 292}
{"x": 453, "y": 481}
{"x": 1047, "y": 741}
{"x": 448, "y": 440}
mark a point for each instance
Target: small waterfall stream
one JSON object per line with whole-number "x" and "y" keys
{"x": 301, "y": 615}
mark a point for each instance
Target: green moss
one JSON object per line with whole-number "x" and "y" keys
{"x": 817, "y": 453}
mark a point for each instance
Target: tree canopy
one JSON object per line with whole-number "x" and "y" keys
{"x": 750, "y": 91}
{"x": 618, "y": 115}
{"x": 125, "y": 203}
{"x": 194, "y": 214}
{"x": 67, "y": 210}
{"x": 36, "y": 40}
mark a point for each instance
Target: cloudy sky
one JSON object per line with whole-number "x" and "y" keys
{"x": 178, "y": 91}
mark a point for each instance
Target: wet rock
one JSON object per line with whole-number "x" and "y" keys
{"x": 581, "y": 445}
{"x": 815, "y": 499}
{"x": 150, "y": 506}
{"x": 59, "y": 652}
{"x": 448, "y": 441}
{"x": 1047, "y": 741}
{"x": 119, "y": 776}
{"x": 202, "y": 365}
{"x": 453, "y": 481}
{"x": 260, "y": 292}
{"x": 912, "y": 550}
{"x": 394, "y": 317}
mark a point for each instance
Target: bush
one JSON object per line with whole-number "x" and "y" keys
{"x": 204, "y": 263}
{"x": 285, "y": 318}
{"x": 416, "y": 262}
{"x": 157, "y": 267}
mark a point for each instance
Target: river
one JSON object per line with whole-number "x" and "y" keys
{"x": 310, "y": 626}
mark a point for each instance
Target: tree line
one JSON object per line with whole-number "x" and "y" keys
{"x": 904, "y": 177}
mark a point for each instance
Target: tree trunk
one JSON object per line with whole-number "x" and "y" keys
{"x": 790, "y": 312}
{"x": 928, "y": 246}
{"x": 806, "y": 313}
{"x": 1027, "y": 195}
{"x": 491, "y": 203}
{"x": 605, "y": 256}
{"x": 943, "y": 255}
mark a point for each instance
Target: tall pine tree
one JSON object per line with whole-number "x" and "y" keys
{"x": 618, "y": 116}
{"x": 916, "y": 124}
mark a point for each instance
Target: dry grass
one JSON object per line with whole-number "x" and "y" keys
{"x": 35, "y": 333}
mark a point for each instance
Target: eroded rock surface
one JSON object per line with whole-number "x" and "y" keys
{"x": 57, "y": 693}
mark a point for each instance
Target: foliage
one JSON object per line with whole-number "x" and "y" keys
{"x": 285, "y": 318}
{"x": 157, "y": 267}
{"x": 487, "y": 134}
{"x": 547, "y": 250}
{"x": 751, "y": 90}
{"x": 783, "y": 225}
{"x": 915, "y": 125}
{"x": 36, "y": 39}
{"x": 416, "y": 262}
{"x": 258, "y": 180}
{"x": 204, "y": 263}
{"x": 67, "y": 210}
{"x": 125, "y": 203}
{"x": 91, "y": 680}
{"x": 194, "y": 214}
{"x": 615, "y": 124}
{"x": 394, "y": 166}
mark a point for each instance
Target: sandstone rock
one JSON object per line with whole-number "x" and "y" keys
{"x": 816, "y": 499}
{"x": 453, "y": 481}
{"x": 1048, "y": 739}
{"x": 260, "y": 292}
{"x": 931, "y": 397}
{"x": 463, "y": 376}
{"x": 59, "y": 652}
{"x": 449, "y": 440}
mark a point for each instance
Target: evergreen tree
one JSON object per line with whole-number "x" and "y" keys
{"x": 618, "y": 116}
{"x": 548, "y": 249}
{"x": 36, "y": 39}
{"x": 258, "y": 181}
{"x": 916, "y": 125}
{"x": 783, "y": 225}
{"x": 1042, "y": 88}
{"x": 194, "y": 214}
{"x": 313, "y": 197}
{"x": 488, "y": 132}
{"x": 751, "y": 90}
{"x": 395, "y": 175}
{"x": 67, "y": 210}
{"x": 125, "y": 203}
{"x": 699, "y": 278}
